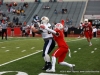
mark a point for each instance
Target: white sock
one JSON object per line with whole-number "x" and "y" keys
{"x": 65, "y": 64}
{"x": 53, "y": 62}
{"x": 90, "y": 43}
{"x": 47, "y": 57}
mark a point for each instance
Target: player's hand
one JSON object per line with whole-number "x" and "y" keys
{"x": 42, "y": 26}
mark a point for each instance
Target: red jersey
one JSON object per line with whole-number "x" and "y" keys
{"x": 87, "y": 28}
{"x": 60, "y": 39}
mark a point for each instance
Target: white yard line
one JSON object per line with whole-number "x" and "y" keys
{"x": 75, "y": 40}
{"x": 20, "y": 58}
{"x": 17, "y": 47}
{"x": 92, "y": 51}
{"x": 29, "y": 55}
{"x": 51, "y": 74}
{"x": 23, "y": 50}
{"x": 7, "y": 50}
{"x": 3, "y": 47}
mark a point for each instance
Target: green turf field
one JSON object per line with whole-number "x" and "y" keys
{"x": 23, "y": 56}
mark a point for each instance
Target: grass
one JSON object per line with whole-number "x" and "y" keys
{"x": 87, "y": 63}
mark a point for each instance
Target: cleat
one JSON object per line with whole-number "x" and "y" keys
{"x": 50, "y": 70}
{"x": 44, "y": 68}
{"x": 72, "y": 68}
{"x": 47, "y": 66}
{"x": 78, "y": 37}
{"x": 90, "y": 45}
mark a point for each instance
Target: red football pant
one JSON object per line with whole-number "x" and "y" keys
{"x": 60, "y": 53}
{"x": 88, "y": 35}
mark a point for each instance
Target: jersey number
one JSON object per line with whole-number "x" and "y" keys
{"x": 87, "y": 29}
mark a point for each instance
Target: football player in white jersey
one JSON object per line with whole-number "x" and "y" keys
{"x": 49, "y": 42}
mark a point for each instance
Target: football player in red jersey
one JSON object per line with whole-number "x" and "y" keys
{"x": 62, "y": 49}
{"x": 87, "y": 27}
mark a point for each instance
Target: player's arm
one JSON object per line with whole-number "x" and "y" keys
{"x": 34, "y": 29}
{"x": 91, "y": 28}
{"x": 48, "y": 29}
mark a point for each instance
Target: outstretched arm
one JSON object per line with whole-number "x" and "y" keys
{"x": 48, "y": 29}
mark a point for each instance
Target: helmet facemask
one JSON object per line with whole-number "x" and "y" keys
{"x": 59, "y": 26}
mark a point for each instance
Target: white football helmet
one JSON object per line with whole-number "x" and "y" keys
{"x": 86, "y": 20}
{"x": 59, "y": 26}
{"x": 45, "y": 19}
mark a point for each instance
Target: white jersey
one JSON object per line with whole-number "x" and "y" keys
{"x": 45, "y": 33}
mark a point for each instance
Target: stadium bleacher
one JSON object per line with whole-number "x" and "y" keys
{"x": 93, "y": 7}
{"x": 75, "y": 11}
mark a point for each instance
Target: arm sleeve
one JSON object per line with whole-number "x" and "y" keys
{"x": 50, "y": 30}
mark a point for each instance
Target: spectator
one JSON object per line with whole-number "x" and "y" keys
{"x": 94, "y": 31}
{"x": 1, "y": 17}
{"x": 72, "y": 29}
{"x": 14, "y": 19}
{"x": 63, "y": 11}
{"x": 0, "y": 30}
{"x": 11, "y": 9}
{"x": 21, "y": 8}
{"x": 4, "y": 17}
{"x": 10, "y": 5}
{"x": 65, "y": 30}
{"x": 4, "y": 29}
{"x": 14, "y": 11}
{"x": 18, "y": 12}
{"x": 55, "y": 11}
{"x": 24, "y": 15}
{"x": 24, "y": 27}
{"x": 17, "y": 20}
{"x": 8, "y": 19}
{"x": 22, "y": 12}
{"x": 12, "y": 28}
{"x": 67, "y": 20}
{"x": 14, "y": 4}
{"x": 27, "y": 30}
{"x": 70, "y": 21}
{"x": 25, "y": 4}
{"x": 7, "y": 4}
